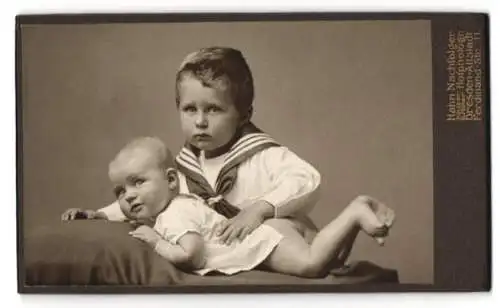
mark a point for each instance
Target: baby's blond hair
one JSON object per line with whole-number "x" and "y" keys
{"x": 153, "y": 145}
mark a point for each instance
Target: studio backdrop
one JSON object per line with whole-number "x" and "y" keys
{"x": 353, "y": 98}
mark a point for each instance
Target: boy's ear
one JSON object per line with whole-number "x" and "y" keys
{"x": 245, "y": 118}
{"x": 172, "y": 178}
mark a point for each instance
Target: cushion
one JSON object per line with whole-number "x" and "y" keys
{"x": 99, "y": 252}
{"x": 83, "y": 252}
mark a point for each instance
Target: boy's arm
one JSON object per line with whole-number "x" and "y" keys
{"x": 293, "y": 191}
{"x": 112, "y": 212}
{"x": 78, "y": 213}
{"x": 295, "y": 186}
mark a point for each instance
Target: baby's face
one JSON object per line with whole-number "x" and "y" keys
{"x": 141, "y": 187}
{"x": 209, "y": 118}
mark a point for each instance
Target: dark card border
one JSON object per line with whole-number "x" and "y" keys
{"x": 462, "y": 162}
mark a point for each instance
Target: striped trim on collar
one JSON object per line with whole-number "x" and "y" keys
{"x": 246, "y": 143}
{"x": 188, "y": 160}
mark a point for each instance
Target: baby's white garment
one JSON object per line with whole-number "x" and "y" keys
{"x": 191, "y": 214}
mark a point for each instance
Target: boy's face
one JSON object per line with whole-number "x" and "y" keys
{"x": 209, "y": 118}
{"x": 142, "y": 188}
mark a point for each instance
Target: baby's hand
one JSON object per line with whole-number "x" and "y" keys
{"x": 146, "y": 234}
{"x": 75, "y": 213}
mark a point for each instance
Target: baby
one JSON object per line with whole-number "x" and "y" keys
{"x": 146, "y": 185}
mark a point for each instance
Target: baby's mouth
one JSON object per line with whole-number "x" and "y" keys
{"x": 136, "y": 208}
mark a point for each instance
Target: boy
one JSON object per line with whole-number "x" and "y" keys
{"x": 147, "y": 189}
{"x": 246, "y": 175}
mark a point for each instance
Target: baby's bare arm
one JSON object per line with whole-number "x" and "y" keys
{"x": 188, "y": 253}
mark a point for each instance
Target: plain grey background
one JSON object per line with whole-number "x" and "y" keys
{"x": 354, "y": 98}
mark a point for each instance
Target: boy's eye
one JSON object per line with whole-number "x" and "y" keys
{"x": 189, "y": 108}
{"x": 214, "y": 109}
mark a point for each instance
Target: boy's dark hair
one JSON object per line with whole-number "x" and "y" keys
{"x": 214, "y": 65}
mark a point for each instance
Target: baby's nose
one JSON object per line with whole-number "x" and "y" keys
{"x": 130, "y": 197}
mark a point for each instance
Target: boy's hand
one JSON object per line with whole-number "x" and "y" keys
{"x": 146, "y": 234}
{"x": 244, "y": 223}
{"x": 75, "y": 213}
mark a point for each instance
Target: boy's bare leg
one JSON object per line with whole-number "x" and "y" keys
{"x": 294, "y": 256}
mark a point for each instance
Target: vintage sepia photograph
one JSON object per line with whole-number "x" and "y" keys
{"x": 212, "y": 155}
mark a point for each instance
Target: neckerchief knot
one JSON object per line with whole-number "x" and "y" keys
{"x": 211, "y": 201}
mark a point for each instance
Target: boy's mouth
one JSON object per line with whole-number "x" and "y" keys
{"x": 202, "y": 136}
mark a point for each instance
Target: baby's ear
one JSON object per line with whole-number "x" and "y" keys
{"x": 172, "y": 178}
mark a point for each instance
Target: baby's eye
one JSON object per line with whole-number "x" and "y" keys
{"x": 138, "y": 182}
{"x": 118, "y": 191}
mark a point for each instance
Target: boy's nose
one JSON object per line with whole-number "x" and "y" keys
{"x": 201, "y": 120}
